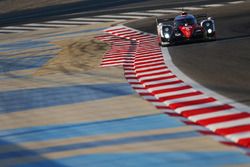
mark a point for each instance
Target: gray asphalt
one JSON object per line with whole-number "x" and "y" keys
{"x": 92, "y": 8}
{"x": 222, "y": 65}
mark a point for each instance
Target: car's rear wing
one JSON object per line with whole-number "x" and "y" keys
{"x": 199, "y": 18}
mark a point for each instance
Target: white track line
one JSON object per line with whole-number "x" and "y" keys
{"x": 190, "y": 8}
{"x": 120, "y": 16}
{"x": 96, "y": 19}
{"x": 72, "y": 22}
{"x": 165, "y": 11}
{"x": 142, "y": 14}
{"x": 45, "y": 25}
{"x": 60, "y": 25}
{"x": 213, "y": 5}
{"x": 12, "y": 31}
{"x": 26, "y": 28}
{"x": 236, "y": 2}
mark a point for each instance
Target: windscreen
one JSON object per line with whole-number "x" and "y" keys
{"x": 182, "y": 22}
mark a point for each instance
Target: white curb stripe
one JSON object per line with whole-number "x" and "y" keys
{"x": 198, "y": 106}
{"x": 228, "y": 124}
{"x": 236, "y": 137}
{"x": 214, "y": 114}
{"x": 155, "y": 76}
{"x": 185, "y": 99}
{"x": 168, "y": 87}
{"x": 190, "y": 90}
{"x": 161, "y": 81}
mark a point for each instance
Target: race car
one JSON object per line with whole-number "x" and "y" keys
{"x": 184, "y": 28}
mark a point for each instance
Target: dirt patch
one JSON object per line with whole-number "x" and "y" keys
{"x": 77, "y": 55}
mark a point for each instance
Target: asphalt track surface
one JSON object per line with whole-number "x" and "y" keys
{"x": 223, "y": 65}
{"x": 92, "y": 8}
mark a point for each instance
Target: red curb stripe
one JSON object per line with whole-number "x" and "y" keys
{"x": 224, "y": 118}
{"x": 171, "y": 89}
{"x": 192, "y": 102}
{"x": 180, "y": 96}
{"x": 164, "y": 84}
{"x": 245, "y": 142}
{"x": 189, "y": 113}
{"x": 236, "y": 129}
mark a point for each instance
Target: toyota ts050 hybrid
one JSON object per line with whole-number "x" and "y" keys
{"x": 185, "y": 27}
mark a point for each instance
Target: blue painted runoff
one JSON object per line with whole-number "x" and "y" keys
{"x": 66, "y": 131}
{"x": 23, "y": 63}
{"x": 25, "y": 44}
{"x": 120, "y": 141}
{"x": 158, "y": 159}
{"x": 19, "y": 100}
{"x": 101, "y": 143}
{"x": 27, "y": 52}
{"x": 97, "y": 144}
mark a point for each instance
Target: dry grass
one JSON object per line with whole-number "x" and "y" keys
{"x": 77, "y": 55}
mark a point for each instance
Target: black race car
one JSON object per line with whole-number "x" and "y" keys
{"x": 185, "y": 27}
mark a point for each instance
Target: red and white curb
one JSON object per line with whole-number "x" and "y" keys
{"x": 147, "y": 73}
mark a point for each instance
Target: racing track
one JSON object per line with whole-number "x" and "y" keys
{"x": 92, "y": 8}
{"x": 223, "y": 65}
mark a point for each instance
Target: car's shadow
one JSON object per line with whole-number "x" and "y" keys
{"x": 217, "y": 40}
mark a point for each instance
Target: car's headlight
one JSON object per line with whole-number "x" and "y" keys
{"x": 166, "y": 29}
{"x": 177, "y": 34}
{"x": 167, "y": 35}
{"x": 209, "y": 30}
